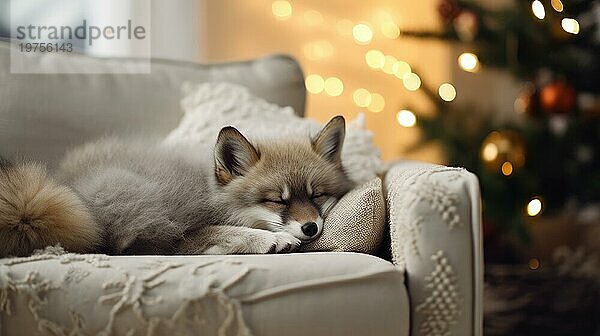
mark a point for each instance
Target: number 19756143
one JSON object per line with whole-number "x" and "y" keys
{"x": 46, "y": 47}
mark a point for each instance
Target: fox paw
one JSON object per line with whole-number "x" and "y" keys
{"x": 281, "y": 242}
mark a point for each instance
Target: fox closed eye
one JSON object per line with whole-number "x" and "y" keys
{"x": 274, "y": 201}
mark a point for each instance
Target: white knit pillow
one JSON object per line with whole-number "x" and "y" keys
{"x": 356, "y": 223}
{"x": 210, "y": 106}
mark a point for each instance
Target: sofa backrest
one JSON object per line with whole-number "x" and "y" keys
{"x": 42, "y": 115}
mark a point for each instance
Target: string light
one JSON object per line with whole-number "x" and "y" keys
{"x": 362, "y": 33}
{"x": 538, "y": 9}
{"x": 534, "y": 207}
{"x": 313, "y": 18}
{"x": 507, "y": 168}
{"x": 468, "y": 62}
{"x": 571, "y": 26}
{"x": 557, "y": 5}
{"x": 281, "y": 9}
{"x": 406, "y": 118}
{"x": 362, "y": 97}
{"x": 388, "y": 66}
{"x": 314, "y": 83}
{"x": 401, "y": 69}
{"x": 377, "y": 103}
{"x": 390, "y": 30}
{"x": 375, "y": 59}
{"x": 411, "y": 81}
{"x": 447, "y": 92}
{"x": 334, "y": 86}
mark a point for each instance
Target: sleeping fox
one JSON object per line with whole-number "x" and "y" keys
{"x": 122, "y": 197}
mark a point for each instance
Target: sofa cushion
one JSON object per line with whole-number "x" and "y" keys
{"x": 356, "y": 223}
{"x": 42, "y": 115}
{"x": 295, "y": 294}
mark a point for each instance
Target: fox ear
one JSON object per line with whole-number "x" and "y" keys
{"x": 328, "y": 143}
{"x": 234, "y": 155}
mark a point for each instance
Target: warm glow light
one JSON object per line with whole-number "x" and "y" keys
{"x": 557, "y": 5}
{"x": 534, "y": 207}
{"x": 362, "y": 97}
{"x": 281, "y": 9}
{"x": 401, "y": 69}
{"x": 538, "y": 9}
{"x": 406, "y": 118}
{"x": 468, "y": 62}
{"x": 334, "y": 86}
{"x": 388, "y": 66}
{"x": 313, "y": 18}
{"x": 507, "y": 168}
{"x": 390, "y": 30}
{"x": 314, "y": 83}
{"x": 571, "y": 26}
{"x": 377, "y": 103}
{"x": 447, "y": 92}
{"x": 375, "y": 59}
{"x": 489, "y": 152}
{"x": 412, "y": 81}
{"x": 362, "y": 33}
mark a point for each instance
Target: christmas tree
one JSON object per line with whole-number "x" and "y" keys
{"x": 549, "y": 161}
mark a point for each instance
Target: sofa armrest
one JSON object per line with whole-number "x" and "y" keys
{"x": 435, "y": 226}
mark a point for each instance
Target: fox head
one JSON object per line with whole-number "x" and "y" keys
{"x": 288, "y": 185}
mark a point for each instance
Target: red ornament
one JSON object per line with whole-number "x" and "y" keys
{"x": 558, "y": 97}
{"x": 448, "y": 10}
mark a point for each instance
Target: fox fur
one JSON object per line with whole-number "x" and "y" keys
{"x": 36, "y": 212}
{"x": 122, "y": 197}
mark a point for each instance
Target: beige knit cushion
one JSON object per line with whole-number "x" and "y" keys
{"x": 356, "y": 223}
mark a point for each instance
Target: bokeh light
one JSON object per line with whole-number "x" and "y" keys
{"x": 281, "y": 9}
{"x": 334, "y": 86}
{"x": 571, "y": 26}
{"x": 401, "y": 69}
{"x": 375, "y": 59}
{"x": 389, "y": 63}
{"x": 406, "y": 118}
{"x": 377, "y": 103}
{"x": 362, "y": 33}
{"x": 314, "y": 83}
{"x": 534, "y": 207}
{"x": 507, "y": 168}
{"x": 538, "y": 9}
{"x": 412, "y": 81}
{"x": 390, "y": 30}
{"x": 468, "y": 62}
{"x": 447, "y": 92}
{"x": 362, "y": 97}
{"x": 557, "y": 5}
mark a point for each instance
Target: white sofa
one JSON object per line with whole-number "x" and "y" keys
{"x": 429, "y": 282}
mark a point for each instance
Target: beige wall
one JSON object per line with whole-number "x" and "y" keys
{"x": 240, "y": 29}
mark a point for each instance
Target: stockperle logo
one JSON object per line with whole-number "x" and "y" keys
{"x": 42, "y": 31}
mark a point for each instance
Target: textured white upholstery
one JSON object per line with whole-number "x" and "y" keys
{"x": 317, "y": 294}
{"x": 435, "y": 222}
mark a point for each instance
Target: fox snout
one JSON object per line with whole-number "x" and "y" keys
{"x": 306, "y": 217}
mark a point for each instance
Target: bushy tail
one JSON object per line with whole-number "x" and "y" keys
{"x": 36, "y": 212}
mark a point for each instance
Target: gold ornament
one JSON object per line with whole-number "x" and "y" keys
{"x": 503, "y": 152}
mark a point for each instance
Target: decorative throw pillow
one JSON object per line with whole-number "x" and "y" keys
{"x": 210, "y": 106}
{"x": 356, "y": 223}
